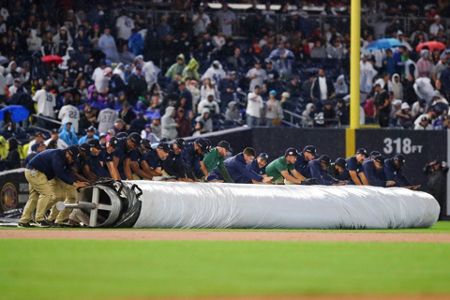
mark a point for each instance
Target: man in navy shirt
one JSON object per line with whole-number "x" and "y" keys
{"x": 192, "y": 154}
{"x": 35, "y": 149}
{"x": 174, "y": 164}
{"x": 237, "y": 167}
{"x": 319, "y": 170}
{"x": 301, "y": 165}
{"x": 259, "y": 164}
{"x": 152, "y": 159}
{"x": 48, "y": 173}
{"x": 124, "y": 149}
{"x": 340, "y": 172}
{"x": 93, "y": 167}
{"x": 374, "y": 171}
{"x": 354, "y": 165}
{"x": 393, "y": 170}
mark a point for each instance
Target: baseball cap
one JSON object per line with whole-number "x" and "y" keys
{"x": 362, "y": 151}
{"x": 135, "y": 137}
{"x": 113, "y": 142}
{"x": 121, "y": 135}
{"x": 400, "y": 158}
{"x": 84, "y": 147}
{"x": 264, "y": 156}
{"x": 325, "y": 159}
{"x": 146, "y": 144}
{"x": 379, "y": 158}
{"x": 55, "y": 130}
{"x": 180, "y": 142}
{"x": 291, "y": 151}
{"x": 340, "y": 162}
{"x": 91, "y": 128}
{"x": 164, "y": 147}
{"x": 310, "y": 149}
{"x": 95, "y": 144}
{"x": 39, "y": 134}
{"x": 375, "y": 153}
{"x": 102, "y": 135}
{"x": 203, "y": 144}
{"x": 224, "y": 144}
{"x": 73, "y": 150}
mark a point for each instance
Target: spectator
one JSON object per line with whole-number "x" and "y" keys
{"x": 147, "y": 134}
{"x": 107, "y": 44}
{"x": 404, "y": 117}
{"x": 205, "y": 120}
{"x": 69, "y": 113}
{"x": 191, "y": 70}
{"x": 201, "y": 22}
{"x": 12, "y": 160}
{"x": 169, "y": 125}
{"x": 383, "y": 105}
{"x": 54, "y": 142}
{"x": 126, "y": 113}
{"x": 211, "y": 104}
{"x": 341, "y": 87}
{"x": 215, "y": 72}
{"x": 283, "y": 59}
{"x": 106, "y": 118}
{"x": 226, "y": 18}
{"x": 423, "y": 124}
{"x": 274, "y": 112}
{"x": 257, "y": 76}
{"x": 184, "y": 125}
{"x": 322, "y": 88}
{"x": 68, "y": 135}
{"x": 395, "y": 86}
{"x": 176, "y": 70}
{"x": 254, "y": 106}
{"x": 424, "y": 64}
{"x": 90, "y": 135}
{"x": 232, "y": 113}
{"x": 46, "y": 101}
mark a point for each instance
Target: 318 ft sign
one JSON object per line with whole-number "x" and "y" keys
{"x": 400, "y": 145}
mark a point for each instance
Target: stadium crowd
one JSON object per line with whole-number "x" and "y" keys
{"x": 55, "y": 174}
{"x": 110, "y": 67}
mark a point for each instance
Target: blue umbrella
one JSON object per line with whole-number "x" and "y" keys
{"x": 384, "y": 44}
{"x": 18, "y": 113}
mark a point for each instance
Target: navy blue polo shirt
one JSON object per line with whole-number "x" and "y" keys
{"x": 53, "y": 164}
{"x": 174, "y": 165}
{"x": 191, "y": 160}
{"x": 301, "y": 165}
{"x": 237, "y": 168}
{"x": 374, "y": 176}
{"x": 318, "y": 173}
{"x": 253, "y": 166}
{"x": 354, "y": 165}
{"x": 393, "y": 173}
{"x": 152, "y": 159}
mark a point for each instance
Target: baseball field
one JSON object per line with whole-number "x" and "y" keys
{"x": 226, "y": 264}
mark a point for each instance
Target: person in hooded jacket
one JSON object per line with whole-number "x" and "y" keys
{"x": 168, "y": 124}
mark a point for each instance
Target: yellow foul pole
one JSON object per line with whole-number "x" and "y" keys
{"x": 355, "y": 33}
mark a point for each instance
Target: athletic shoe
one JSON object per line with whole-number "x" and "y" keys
{"x": 24, "y": 225}
{"x": 42, "y": 224}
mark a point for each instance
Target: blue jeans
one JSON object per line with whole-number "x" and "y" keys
{"x": 252, "y": 121}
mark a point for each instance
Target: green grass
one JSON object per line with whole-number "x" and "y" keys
{"x": 86, "y": 269}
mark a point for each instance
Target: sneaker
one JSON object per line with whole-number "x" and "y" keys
{"x": 42, "y": 224}
{"x": 24, "y": 225}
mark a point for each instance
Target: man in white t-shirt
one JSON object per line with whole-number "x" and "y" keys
{"x": 54, "y": 142}
{"x": 69, "y": 113}
{"x": 254, "y": 106}
{"x": 257, "y": 75}
{"x": 124, "y": 25}
{"x": 46, "y": 101}
{"x": 106, "y": 119}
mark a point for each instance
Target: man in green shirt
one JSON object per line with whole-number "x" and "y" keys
{"x": 214, "y": 159}
{"x": 282, "y": 168}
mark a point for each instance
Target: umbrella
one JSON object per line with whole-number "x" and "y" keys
{"x": 52, "y": 59}
{"x": 384, "y": 44}
{"x": 18, "y": 113}
{"x": 431, "y": 45}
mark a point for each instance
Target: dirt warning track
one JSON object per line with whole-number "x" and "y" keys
{"x": 250, "y": 235}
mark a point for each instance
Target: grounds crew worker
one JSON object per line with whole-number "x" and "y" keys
{"x": 319, "y": 171}
{"x": 214, "y": 159}
{"x": 301, "y": 164}
{"x": 47, "y": 173}
{"x": 123, "y": 150}
{"x": 340, "y": 172}
{"x": 258, "y": 165}
{"x": 283, "y": 168}
{"x": 374, "y": 171}
{"x": 237, "y": 168}
{"x": 355, "y": 167}
{"x": 393, "y": 171}
{"x": 152, "y": 159}
{"x": 192, "y": 154}
{"x": 174, "y": 164}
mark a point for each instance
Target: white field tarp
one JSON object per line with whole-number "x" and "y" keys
{"x": 220, "y": 205}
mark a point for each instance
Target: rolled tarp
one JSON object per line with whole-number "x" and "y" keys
{"x": 220, "y": 205}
